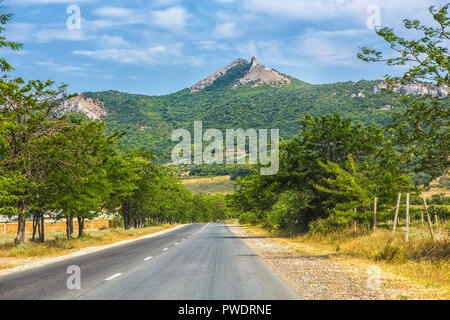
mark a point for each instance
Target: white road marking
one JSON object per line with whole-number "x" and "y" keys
{"x": 176, "y": 243}
{"x": 146, "y": 259}
{"x": 112, "y": 277}
{"x": 165, "y": 249}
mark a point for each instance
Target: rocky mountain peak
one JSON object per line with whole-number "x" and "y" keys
{"x": 256, "y": 75}
{"x": 254, "y": 63}
{"x": 208, "y": 81}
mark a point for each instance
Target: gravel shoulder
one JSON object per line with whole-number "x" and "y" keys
{"x": 328, "y": 276}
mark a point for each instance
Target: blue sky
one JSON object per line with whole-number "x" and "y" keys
{"x": 161, "y": 46}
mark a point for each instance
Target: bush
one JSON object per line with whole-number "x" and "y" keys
{"x": 248, "y": 218}
{"x": 334, "y": 223}
{"x": 116, "y": 222}
{"x": 390, "y": 253}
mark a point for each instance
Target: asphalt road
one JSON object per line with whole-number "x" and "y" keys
{"x": 195, "y": 262}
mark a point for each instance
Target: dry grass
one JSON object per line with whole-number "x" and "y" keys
{"x": 219, "y": 184}
{"x": 419, "y": 261}
{"x": 56, "y": 244}
{"x": 433, "y": 191}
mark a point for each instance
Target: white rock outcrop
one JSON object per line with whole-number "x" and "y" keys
{"x": 92, "y": 109}
{"x": 419, "y": 89}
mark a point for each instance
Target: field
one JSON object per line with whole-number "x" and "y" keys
{"x": 220, "y": 184}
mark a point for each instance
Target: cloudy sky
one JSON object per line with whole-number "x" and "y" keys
{"x": 161, "y": 46}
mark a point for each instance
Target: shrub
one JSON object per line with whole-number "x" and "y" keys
{"x": 248, "y": 218}
{"x": 116, "y": 222}
{"x": 390, "y": 253}
{"x": 334, "y": 223}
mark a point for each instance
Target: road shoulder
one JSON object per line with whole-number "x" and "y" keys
{"x": 325, "y": 276}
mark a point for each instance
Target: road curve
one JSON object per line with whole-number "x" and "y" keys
{"x": 195, "y": 262}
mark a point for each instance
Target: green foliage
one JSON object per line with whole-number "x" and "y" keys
{"x": 336, "y": 222}
{"x": 150, "y": 120}
{"x": 334, "y": 167}
{"x": 248, "y": 218}
{"x": 67, "y": 166}
{"x": 423, "y": 127}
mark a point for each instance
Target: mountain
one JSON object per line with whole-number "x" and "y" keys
{"x": 242, "y": 95}
{"x": 253, "y": 74}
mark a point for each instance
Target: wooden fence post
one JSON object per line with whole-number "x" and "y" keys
{"x": 407, "y": 217}
{"x": 396, "y": 212}
{"x": 375, "y": 214}
{"x": 428, "y": 218}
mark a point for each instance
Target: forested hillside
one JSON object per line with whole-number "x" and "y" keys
{"x": 150, "y": 120}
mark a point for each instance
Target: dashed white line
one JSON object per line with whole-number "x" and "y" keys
{"x": 113, "y": 276}
{"x": 176, "y": 243}
{"x": 165, "y": 249}
{"x": 146, "y": 259}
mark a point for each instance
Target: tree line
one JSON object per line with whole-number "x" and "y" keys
{"x": 66, "y": 166}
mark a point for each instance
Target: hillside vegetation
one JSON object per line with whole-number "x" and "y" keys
{"x": 150, "y": 120}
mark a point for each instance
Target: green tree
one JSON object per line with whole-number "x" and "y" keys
{"x": 423, "y": 127}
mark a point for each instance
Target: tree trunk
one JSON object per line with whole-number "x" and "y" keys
{"x": 407, "y": 218}
{"x": 42, "y": 233}
{"x": 80, "y": 226}
{"x": 21, "y": 224}
{"x": 35, "y": 226}
{"x": 428, "y": 218}
{"x": 375, "y": 214}
{"x": 69, "y": 227}
{"x": 396, "y": 212}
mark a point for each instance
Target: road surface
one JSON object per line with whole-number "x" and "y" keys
{"x": 195, "y": 262}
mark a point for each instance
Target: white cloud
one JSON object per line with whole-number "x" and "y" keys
{"x": 112, "y": 41}
{"x": 49, "y": 35}
{"x": 352, "y": 10}
{"x": 63, "y": 68}
{"x": 114, "y": 12}
{"x": 212, "y": 45}
{"x": 29, "y": 32}
{"x": 173, "y": 19}
{"x": 136, "y": 56}
{"x": 226, "y": 30}
{"x": 31, "y": 2}
{"x": 162, "y": 3}
{"x": 329, "y": 47}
